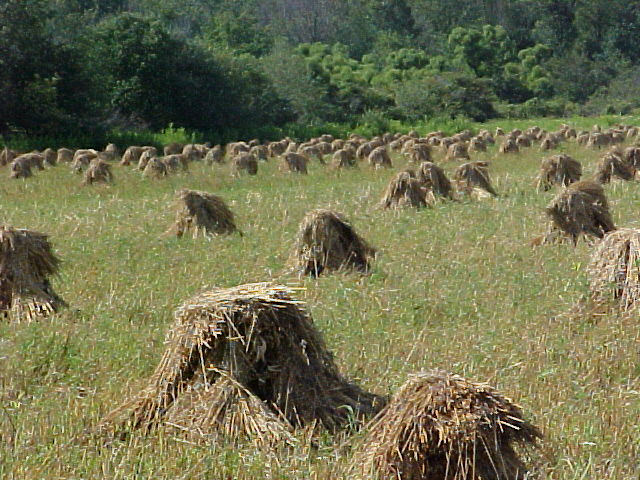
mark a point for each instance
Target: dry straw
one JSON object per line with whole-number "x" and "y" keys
{"x": 435, "y": 181}
{"x": 559, "y": 170}
{"x": 99, "y": 171}
{"x": 26, "y": 264}
{"x": 612, "y": 165}
{"x": 201, "y": 212}
{"x": 442, "y": 427}
{"x": 580, "y": 209}
{"x": 404, "y": 190}
{"x": 472, "y": 176}
{"x": 326, "y": 242}
{"x": 245, "y": 361}
{"x": 614, "y": 270}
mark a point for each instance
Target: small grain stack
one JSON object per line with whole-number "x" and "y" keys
{"x": 404, "y": 190}
{"x": 202, "y": 212}
{"x": 248, "y": 362}
{"x": 509, "y": 146}
{"x": 214, "y": 156}
{"x": 155, "y": 168}
{"x": 147, "y": 154}
{"x": 20, "y": 167}
{"x": 294, "y": 163}
{"x": 379, "y": 158}
{"x": 614, "y": 270}
{"x": 175, "y": 163}
{"x": 559, "y": 170}
{"x": 419, "y": 153}
{"x": 580, "y": 209}
{"x": 345, "y": 157}
{"x": 612, "y": 165}
{"x": 81, "y": 162}
{"x": 477, "y": 145}
{"x": 26, "y": 264}
{"x": 457, "y": 151}
{"x": 523, "y": 141}
{"x": 172, "y": 148}
{"x": 131, "y": 155}
{"x": 99, "y": 171}
{"x": 244, "y": 163}
{"x": 631, "y": 156}
{"x": 434, "y": 180}
{"x": 473, "y": 176}
{"x": 440, "y": 426}
{"x": 7, "y": 156}
{"x": 50, "y": 157}
{"x": 326, "y": 242}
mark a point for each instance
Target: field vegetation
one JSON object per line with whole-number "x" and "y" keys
{"x": 455, "y": 287}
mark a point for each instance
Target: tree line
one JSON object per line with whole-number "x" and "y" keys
{"x": 221, "y": 65}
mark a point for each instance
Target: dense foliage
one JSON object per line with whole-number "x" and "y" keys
{"x": 219, "y": 65}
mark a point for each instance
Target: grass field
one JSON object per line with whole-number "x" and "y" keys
{"x": 454, "y": 287}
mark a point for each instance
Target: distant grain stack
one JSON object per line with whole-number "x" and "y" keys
{"x": 379, "y": 158}
{"x": 244, "y": 163}
{"x": 7, "y": 156}
{"x": 81, "y": 162}
{"x": 155, "y": 168}
{"x": 343, "y": 158}
{"x": 561, "y": 170}
{"x": 579, "y": 209}
{"x": 457, "y": 151}
{"x": 294, "y": 163}
{"x": 419, "y": 153}
{"x": 326, "y": 242}
{"x": 27, "y": 263}
{"x": 99, "y": 171}
{"x": 20, "y": 167}
{"x": 473, "y": 176}
{"x": 131, "y": 156}
{"x": 613, "y": 166}
{"x": 201, "y": 212}
{"x": 440, "y": 426}
{"x": 244, "y": 362}
{"x": 404, "y": 190}
{"x": 50, "y": 157}
{"x": 214, "y": 156}
{"x": 434, "y": 180}
{"x": 509, "y": 146}
{"x": 147, "y": 154}
{"x": 477, "y": 145}
{"x": 614, "y": 270}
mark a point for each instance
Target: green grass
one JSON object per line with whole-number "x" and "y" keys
{"x": 454, "y": 287}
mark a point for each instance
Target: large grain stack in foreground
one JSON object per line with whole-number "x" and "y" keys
{"x": 326, "y": 242}
{"x": 201, "y": 212}
{"x": 614, "y": 270}
{"x": 27, "y": 263}
{"x": 248, "y": 362}
{"x": 442, "y": 427}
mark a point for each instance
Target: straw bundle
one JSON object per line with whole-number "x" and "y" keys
{"x": 434, "y": 180}
{"x": 379, "y": 158}
{"x": 345, "y": 157}
{"x": 50, "y": 157}
{"x": 614, "y": 270}
{"x": 175, "y": 163}
{"x": 131, "y": 155}
{"x": 509, "y": 146}
{"x": 98, "y": 172}
{"x": 214, "y": 155}
{"x": 457, "y": 151}
{"x": 404, "y": 190}
{"x": 442, "y": 427}
{"x": 20, "y": 167}
{"x": 26, "y": 263}
{"x": 326, "y": 242}
{"x": 147, "y": 154}
{"x": 631, "y": 156}
{"x": 612, "y": 165}
{"x": 477, "y": 144}
{"x": 294, "y": 163}
{"x": 558, "y": 170}
{"x": 419, "y": 153}
{"x": 244, "y": 163}
{"x": 81, "y": 162}
{"x": 581, "y": 208}
{"x": 202, "y": 212}
{"x": 245, "y": 360}
{"x": 474, "y": 175}
{"x": 155, "y": 168}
